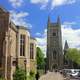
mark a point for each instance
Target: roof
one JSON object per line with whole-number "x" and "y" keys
{"x": 21, "y": 27}
{"x": 32, "y": 38}
{"x": 2, "y": 9}
{"x": 13, "y": 26}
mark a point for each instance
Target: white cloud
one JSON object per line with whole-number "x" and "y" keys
{"x": 61, "y": 2}
{"x": 16, "y": 3}
{"x": 39, "y": 1}
{"x": 41, "y": 41}
{"x": 53, "y": 3}
{"x": 71, "y": 35}
{"x": 19, "y": 18}
{"x": 68, "y": 33}
{"x": 43, "y": 3}
{"x": 38, "y": 34}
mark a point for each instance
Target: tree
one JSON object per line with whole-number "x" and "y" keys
{"x": 40, "y": 59}
{"x": 19, "y": 74}
{"x": 74, "y": 55}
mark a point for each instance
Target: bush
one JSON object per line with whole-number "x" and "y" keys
{"x": 19, "y": 74}
{"x": 32, "y": 75}
{"x": 1, "y": 78}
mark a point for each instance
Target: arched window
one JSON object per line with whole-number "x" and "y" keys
{"x": 54, "y": 54}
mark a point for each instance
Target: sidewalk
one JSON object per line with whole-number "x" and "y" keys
{"x": 52, "y": 76}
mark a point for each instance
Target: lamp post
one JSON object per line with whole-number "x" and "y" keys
{"x": 25, "y": 62}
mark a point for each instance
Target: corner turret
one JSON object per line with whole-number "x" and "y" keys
{"x": 48, "y": 21}
{"x": 58, "y": 20}
{"x": 66, "y": 47}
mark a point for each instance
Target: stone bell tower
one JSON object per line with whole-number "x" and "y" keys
{"x": 54, "y": 45}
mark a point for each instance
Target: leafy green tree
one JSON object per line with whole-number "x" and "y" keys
{"x": 40, "y": 59}
{"x": 19, "y": 74}
{"x": 78, "y": 58}
{"x": 74, "y": 55}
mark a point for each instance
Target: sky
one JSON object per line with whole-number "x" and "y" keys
{"x": 33, "y": 14}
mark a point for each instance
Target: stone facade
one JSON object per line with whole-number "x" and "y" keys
{"x": 33, "y": 62}
{"x": 14, "y": 47}
{"x": 54, "y": 45}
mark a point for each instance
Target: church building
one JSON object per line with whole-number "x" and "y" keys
{"x": 54, "y": 45}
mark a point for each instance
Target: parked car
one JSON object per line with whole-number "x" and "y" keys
{"x": 79, "y": 74}
{"x": 72, "y": 72}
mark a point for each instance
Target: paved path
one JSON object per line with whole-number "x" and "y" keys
{"x": 52, "y": 76}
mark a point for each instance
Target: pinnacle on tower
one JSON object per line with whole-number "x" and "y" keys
{"x": 66, "y": 45}
{"x": 58, "y": 20}
{"x": 48, "y": 19}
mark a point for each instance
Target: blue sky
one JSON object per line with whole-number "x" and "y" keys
{"x": 34, "y": 13}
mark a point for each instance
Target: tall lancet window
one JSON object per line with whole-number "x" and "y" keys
{"x": 22, "y": 45}
{"x": 54, "y": 54}
{"x": 31, "y": 51}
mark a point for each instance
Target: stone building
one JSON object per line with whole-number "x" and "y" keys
{"x": 15, "y": 47}
{"x": 68, "y": 64}
{"x": 54, "y": 45}
{"x": 33, "y": 55}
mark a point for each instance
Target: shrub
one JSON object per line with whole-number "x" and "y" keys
{"x": 19, "y": 74}
{"x": 32, "y": 75}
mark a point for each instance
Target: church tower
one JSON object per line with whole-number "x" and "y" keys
{"x": 67, "y": 62}
{"x": 66, "y": 47}
{"x": 54, "y": 45}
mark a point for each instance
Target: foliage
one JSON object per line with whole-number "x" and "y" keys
{"x": 41, "y": 72}
{"x": 19, "y": 74}
{"x": 74, "y": 55}
{"x": 32, "y": 73}
{"x": 1, "y": 78}
{"x": 40, "y": 59}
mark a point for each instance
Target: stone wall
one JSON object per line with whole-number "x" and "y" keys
{"x": 33, "y": 63}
